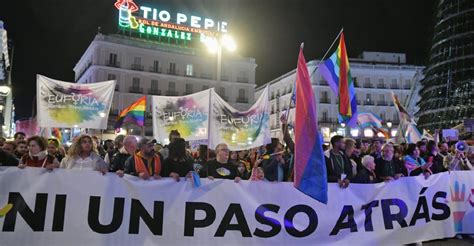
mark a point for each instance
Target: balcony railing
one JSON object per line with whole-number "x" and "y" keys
{"x": 109, "y": 63}
{"x": 323, "y": 82}
{"x": 368, "y": 103}
{"x": 368, "y": 85}
{"x": 381, "y": 86}
{"x": 171, "y": 93}
{"x": 155, "y": 69}
{"x": 325, "y": 100}
{"x": 407, "y": 87}
{"x": 359, "y": 102}
{"x": 137, "y": 67}
{"x": 154, "y": 92}
{"x": 172, "y": 71}
{"x": 206, "y": 76}
{"x": 394, "y": 86}
{"x": 326, "y": 120}
{"x": 382, "y": 103}
{"x": 243, "y": 79}
{"x": 242, "y": 100}
{"x": 135, "y": 89}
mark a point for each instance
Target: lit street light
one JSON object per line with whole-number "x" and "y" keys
{"x": 214, "y": 45}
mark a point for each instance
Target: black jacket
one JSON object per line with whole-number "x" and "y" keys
{"x": 270, "y": 169}
{"x": 7, "y": 159}
{"x": 334, "y": 171}
{"x": 118, "y": 161}
{"x": 364, "y": 176}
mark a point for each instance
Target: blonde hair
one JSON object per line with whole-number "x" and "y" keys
{"x": 366, "y": 160}
{"x": 76, "y": 149}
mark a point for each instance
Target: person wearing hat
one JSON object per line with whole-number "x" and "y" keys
{"x": 145, "y": 163}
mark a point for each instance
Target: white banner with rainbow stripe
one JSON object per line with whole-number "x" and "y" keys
{"x": 68, "y": 105}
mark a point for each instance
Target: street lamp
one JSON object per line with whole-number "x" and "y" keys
{"x": 214, "y": 45}
{"x": 389, "y": 124}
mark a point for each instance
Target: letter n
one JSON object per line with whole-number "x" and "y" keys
{"x": 35, "y": 219}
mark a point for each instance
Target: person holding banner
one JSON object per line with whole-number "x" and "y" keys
{"x": 129, "y": 148}
{"x": 388, "y": 168}
{"x": 53, "y": 149}
{"x": 414, "y": 164}
{"x": 366, "y": 174}
{"x": 83, "y": 155}
{"x": 339, "y": 167}
{"x": 37, "y": 155}
{"x": 146, "y": 163}
{"x": 178, "y": 164}
{"x": 220, "y": 167}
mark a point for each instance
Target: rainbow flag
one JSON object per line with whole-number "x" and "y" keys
{"x": 337, "y": 73}
{"x": 135, "y": 113}
{"x": 56, "y": 132}
{"x": 310, "y": 175}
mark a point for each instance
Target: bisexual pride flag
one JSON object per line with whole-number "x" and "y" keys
{"x": 310, "y": 175}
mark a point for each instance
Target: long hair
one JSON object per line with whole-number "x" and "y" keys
{"x": 76, "y": 149}
{"x": 177, "y": 149}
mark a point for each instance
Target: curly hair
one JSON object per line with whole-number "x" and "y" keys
{"x": 76, "y": 149}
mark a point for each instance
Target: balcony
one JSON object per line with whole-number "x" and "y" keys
{"x": 382, "y": 103}
{"x": 381, "y": 86}
{"x": 368, "y": 85}
{"x": 154, "y": 92}
{"x": 326, "y": 120}
{"x": 324, "y": 100}
{"x": 172, "y": 71}
{"x": 243, "y": 79}
{"x": 394, "y": 86}
{"x": 359, "y": 102}
{"x": 323, "y": 82}
{"x": 135, "y": 90}
{"x": 206, "y": 76}
{"x": 155, "y": 69}
{"x": 369, "y": 103}
{"x": 109, "y": 63}
{"x": 172, "y": 93}
{"x": 137, "y": 67}
{"x": 407, "y": 87}
{"x": 242, "y": 100}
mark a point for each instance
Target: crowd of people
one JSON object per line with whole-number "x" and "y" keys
{"x": 347, "y": 160}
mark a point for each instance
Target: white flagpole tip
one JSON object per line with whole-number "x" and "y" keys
{"x": 302, "y": 45}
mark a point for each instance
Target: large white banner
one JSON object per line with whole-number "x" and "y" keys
{"x": 239, "y": 130}
{"x": 187, "y": 114}
{"x": 73, "y": 207}
{"x": 67, "y": 105}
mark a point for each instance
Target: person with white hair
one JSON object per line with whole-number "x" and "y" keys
{"x": 366, "y": 173}
{"x": 118, "y": 159}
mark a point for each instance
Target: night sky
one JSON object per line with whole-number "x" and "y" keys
{"x": 50, "y": 36}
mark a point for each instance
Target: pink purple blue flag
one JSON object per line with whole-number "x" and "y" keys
{"x": 310, "y": 175}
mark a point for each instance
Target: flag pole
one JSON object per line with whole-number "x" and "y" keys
{"x": 316, "y": 68}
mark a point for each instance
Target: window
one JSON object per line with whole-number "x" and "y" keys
{"x": 381, "y": 80}
{"x": 382, "y": 98}
{"x": 324, "y": 95}
{"x": 112, "y": 58}
{"x": 172, "y": 86}
{"x": 111, "y": 76}
{"x": 325, "y": 115}
{"x": 137, "y": 60}
{"x": 394, "y": 81}
{"x": 242, "y": 93}
{"x": 154, "y": 84}
{"x": 136, "y": 82}
{"x": 156, "y": 65}
{"x": 189, "y": 70}
{"x": 189, "y": 88}
{"x": 172, "y": 69}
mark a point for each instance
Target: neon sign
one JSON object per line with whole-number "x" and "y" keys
{"x": 154, "y": 22}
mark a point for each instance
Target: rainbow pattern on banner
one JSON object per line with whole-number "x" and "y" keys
{"x": 186, "y": 116}
{"x": 135, "y": 114}
{"x": 80, "y": 107}
{"x": 337, "y": 73}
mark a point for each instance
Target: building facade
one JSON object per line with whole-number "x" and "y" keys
{"x": 375, "y": 74}
{"x": 7, "y": 128}
{"x": 146, "y": 67}
{"x": 448, "y": 88}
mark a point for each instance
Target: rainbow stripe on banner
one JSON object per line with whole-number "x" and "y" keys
{"x": 135, "y": 114}
{"x": 337, "y": 73}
